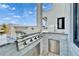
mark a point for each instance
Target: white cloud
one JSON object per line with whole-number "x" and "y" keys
{"x": 4, "y": 6}
{"x": 30, "y": 12}
{"x": 16, "y": 16}
{"x": 10, "y": 20}
{"x": 7, "y": 18}
{"x": 47, "y": 6}
{"x": 35, "y": 8}
{"x": 44, "y": 6}
{"x": 13, "y": 22}
{"x": 13, "y": 8}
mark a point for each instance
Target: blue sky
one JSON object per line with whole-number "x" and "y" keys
{"x": 20, "y": 13}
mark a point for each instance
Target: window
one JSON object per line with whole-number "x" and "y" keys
{"x": 21, "y": 13}
{"x": 75, "y": 24}
{"x": 18, "y": 13}
{"x": 47, "y": 6}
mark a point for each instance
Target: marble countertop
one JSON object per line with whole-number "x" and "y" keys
{"x": 11, "y": 50}
{"x": 54, "y": 33}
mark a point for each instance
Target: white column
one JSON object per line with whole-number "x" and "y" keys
{"x": 39, "y": 15}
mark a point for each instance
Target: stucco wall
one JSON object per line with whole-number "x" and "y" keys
{"x": 58, "y": 10}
